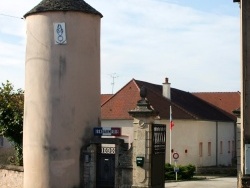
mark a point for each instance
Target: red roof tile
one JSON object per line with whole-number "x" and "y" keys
{"x": 105, "y": 97}
{"x": 120, "y": 103}
{"x": 185, "y": 105}
{"x": 228, "y": 101}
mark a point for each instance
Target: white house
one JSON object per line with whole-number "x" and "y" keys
{"x": 204, "y": 129}
{"x": 203, "y": 134}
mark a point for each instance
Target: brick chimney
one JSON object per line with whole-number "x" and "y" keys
{"x": 166, "y": 90}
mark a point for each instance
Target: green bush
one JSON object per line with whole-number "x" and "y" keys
{"x": 169, "y": 172}
{"x": 185, "y": 172}
{"x": 11, "y": 119}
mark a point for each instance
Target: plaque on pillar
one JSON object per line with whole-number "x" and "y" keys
{"x": 159, "y": 139}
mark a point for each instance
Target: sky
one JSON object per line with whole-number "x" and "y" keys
{"x": 194, "y": 43}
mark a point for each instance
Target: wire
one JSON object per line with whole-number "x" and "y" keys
{"x": 10, "y": 16}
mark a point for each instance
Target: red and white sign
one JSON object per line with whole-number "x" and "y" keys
{"x": 175, "y": 155}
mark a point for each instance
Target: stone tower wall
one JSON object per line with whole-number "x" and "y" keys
{"x": 62, "y": 96}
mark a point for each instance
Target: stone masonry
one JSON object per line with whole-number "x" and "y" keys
{"x": 11, "y": 177}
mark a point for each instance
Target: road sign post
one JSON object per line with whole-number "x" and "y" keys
{"x": 176, "y": 168}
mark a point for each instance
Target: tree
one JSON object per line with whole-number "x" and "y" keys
{"x": 11, "y": 118}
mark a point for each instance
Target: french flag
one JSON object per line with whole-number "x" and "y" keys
{"x": 171, "y": 120}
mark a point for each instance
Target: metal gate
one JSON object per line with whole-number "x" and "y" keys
{"x": 105, "y": 168}
{"x": 158, "y": 154}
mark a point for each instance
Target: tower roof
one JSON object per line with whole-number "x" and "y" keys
{"x": 63, "y": 5}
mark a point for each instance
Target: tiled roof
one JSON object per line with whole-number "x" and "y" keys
{"x": 227, "y": 101}
{"x": 105, "y": 97}
{"x": 63, "y": 5}
{"x": 120, "y": 103}
{"x": 162, "y": 104}
{"x": 185, "y": 105}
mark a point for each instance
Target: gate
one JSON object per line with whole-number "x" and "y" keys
{"x": 105, "y": 167}
{"x": 158, "y": 154}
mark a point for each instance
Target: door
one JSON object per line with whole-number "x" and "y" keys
{"x": 105, "y": 171}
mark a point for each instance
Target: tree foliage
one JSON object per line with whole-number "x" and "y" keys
{"x": 11, "y": 117}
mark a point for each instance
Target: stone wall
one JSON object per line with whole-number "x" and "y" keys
{"x": 11, "y": 176}
{"x": 125, "y": 169}
{"x": 5, "y": 154}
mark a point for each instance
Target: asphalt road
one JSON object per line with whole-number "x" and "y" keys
{"x": 210, "y": 182}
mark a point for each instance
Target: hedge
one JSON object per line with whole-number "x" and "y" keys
{"x": 184, "y": 173}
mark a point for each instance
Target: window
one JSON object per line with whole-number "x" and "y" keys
{"x": 233, "y": 148}
{"x": 1, "y": 141}
{"x": 221, "y": 147}
{"x": 229, "y": 147}
{"x": 200, "y": 149}
{"x": 209, "y": 148}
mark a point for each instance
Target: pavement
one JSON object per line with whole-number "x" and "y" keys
{"x": 207, "y": 182}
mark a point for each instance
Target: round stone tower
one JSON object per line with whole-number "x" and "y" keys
{"x": 62, "y": 91}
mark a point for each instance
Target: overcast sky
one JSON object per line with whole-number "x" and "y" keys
{"x": 195, "y": 43}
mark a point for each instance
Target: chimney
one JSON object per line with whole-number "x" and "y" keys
{"x": 166, "y": 90}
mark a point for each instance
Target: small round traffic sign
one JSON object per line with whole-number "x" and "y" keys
{"x": 175, "y": 155}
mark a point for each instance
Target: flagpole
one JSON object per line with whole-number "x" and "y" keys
{"x": 170, "y": 128}
{"x": 170, "y": 147}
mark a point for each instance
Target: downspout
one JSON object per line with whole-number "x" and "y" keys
{"x": 235, "y": 142}
{"x": 216, "y": 143}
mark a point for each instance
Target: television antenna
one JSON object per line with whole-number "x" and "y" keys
{"x": 113, "y": 76}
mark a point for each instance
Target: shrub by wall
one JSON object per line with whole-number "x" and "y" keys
{"x": 184, "y": 173}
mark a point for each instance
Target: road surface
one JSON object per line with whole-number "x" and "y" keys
{"x": 211, "y": 182}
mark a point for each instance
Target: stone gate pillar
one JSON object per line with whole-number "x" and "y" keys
{"x": 142, "y": 146}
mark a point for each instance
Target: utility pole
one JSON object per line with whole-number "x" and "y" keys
{"x": 244, "y": 172}
{"x": 113, "y": 76}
